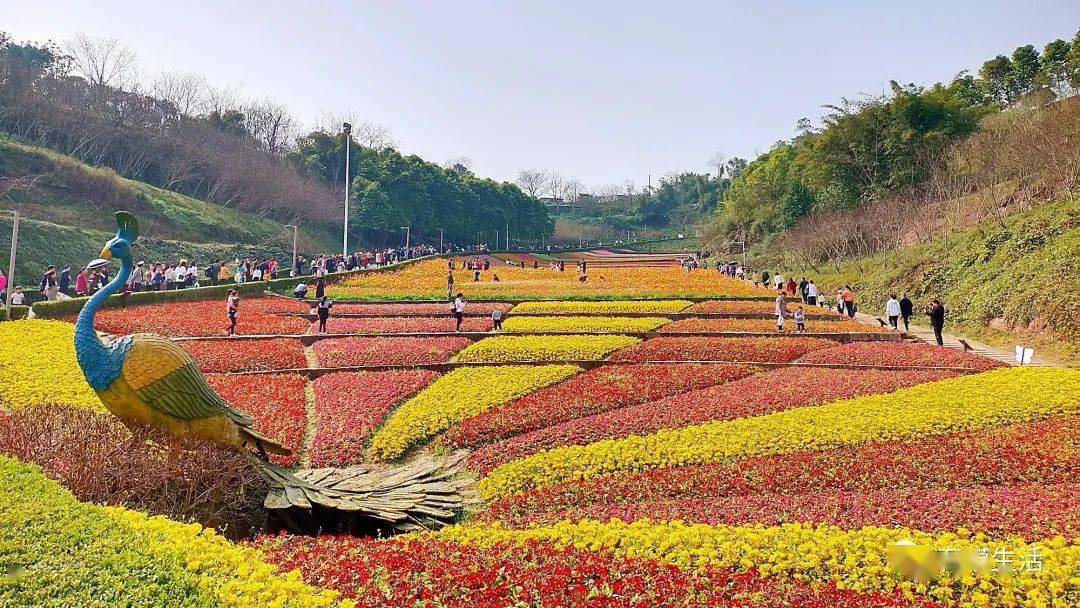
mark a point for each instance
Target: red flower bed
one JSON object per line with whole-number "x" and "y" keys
{"x": 246, "y": 355}
{"x": 704, "y": 348}
{"x": 597, "y": 390}
{"x": 403, "y": 325}
{"x": 423, "y": 309}
{"x": 754, "y": 396}
{"x": 275, "y": 401}
{"x": 202, "y": 318}
{"x": 427, "y": 572}
{"x": 713, "y": 324}
{"x": 1028, "y": 511}
{"x": 733, "y": 306}
{"x": 1042, "y": 452}
{"x": 900, "y": 353}
{"x": 348, "y": 405}
{"x": 403, "y": 350}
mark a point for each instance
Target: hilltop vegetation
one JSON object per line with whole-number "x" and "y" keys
{"x": 177, "y": 133}
{"x": 1009, "y": 281}
{"x": 67, "y": 209}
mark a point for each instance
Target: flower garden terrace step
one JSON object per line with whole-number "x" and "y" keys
{"x": 315, "y": 372}
{"x": 674, "y": 316}
{"x": 309, "y": 339}
{"x": 608, "y": 298}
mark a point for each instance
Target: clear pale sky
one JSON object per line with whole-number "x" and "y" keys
{"x": 602, "y": 91}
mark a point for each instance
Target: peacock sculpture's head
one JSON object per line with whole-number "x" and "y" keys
{"x": 127, "y": 230}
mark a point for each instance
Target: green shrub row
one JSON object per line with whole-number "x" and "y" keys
{"x": 17, "y": 312}
{"x": 64, "y": 309}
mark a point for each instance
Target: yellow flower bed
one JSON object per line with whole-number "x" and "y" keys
{"x": 70, "y": 553}
{"x": 427, "y": 279}
{"x": 617, "y": 306}
{"x": 543, "y": 348}
{"x": 968, "y": 402}
{"x": 457, "y": 395}
{"x": 594, "y": 324}
{"x": 854, "y": 559}
{"x": 37, "y": 365}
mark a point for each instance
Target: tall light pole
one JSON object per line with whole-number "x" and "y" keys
{"x": 406, "y": 229}
{"x": 508, "y": 236}
{"x": 11, "y": 262}
{"x": 346, "y": 129}
{"x": 292, "y": 271}
{"x": 440, "y": 240}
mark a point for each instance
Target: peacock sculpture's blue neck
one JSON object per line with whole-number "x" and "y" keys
{"x": 101, "y": 362}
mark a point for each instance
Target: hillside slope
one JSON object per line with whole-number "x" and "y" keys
{"x": 1016, "y": 281}
{"x": 68, "y": 205}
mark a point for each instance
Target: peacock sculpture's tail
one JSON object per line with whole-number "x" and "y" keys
{"x": 423, "y": 494}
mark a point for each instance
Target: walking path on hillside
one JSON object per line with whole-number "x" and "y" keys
{"x": 926, "y": 334}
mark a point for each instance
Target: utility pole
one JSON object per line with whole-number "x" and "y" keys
{"x": 441, "y": 240}
{"x": 293, "y": 269}
{"x": 346, "y": 129}
{"x": 11, "y": 262}
{"x": 406, "y": 229}
{"x": 508, "y": 236}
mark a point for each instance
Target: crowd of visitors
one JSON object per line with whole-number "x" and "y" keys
{"x": 897, "y": 310}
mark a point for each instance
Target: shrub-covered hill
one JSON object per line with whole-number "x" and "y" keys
{"x": 67, "y": 206}
{"x": 1003, "y": 282}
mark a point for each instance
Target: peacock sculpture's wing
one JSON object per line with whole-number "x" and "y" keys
{"x": 165, "y": 376}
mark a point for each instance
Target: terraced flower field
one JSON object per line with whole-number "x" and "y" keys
{"x": 663, "y": 468}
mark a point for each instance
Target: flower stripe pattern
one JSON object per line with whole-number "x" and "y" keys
{"x": 852, "y": 559}
{"x": 583, "y": 324}
{"x": 348, "y": 406}
{"x": 408, "y": 572}
{"x": 597, "y": 390}
{"x": 705, "y": 348}
{"x": 508, "y": 349}
{"x": 957, "y": 404}
{"x": 759, "y": 394}
{"x": 659, "y": 307}
{"x": 1039, "y": 452}
{"x": 398, "y": 350}
{"x": 451, "y": 398}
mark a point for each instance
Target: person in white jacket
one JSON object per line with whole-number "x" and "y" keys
{"x": 892, "y": 310}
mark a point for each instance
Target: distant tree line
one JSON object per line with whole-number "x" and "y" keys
{"x": 84, "y": 98}
{"x": 880, "y": 148}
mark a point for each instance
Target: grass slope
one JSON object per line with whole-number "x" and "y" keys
{"x": 71, "y": 205}
{"x": 1002, "y": 282}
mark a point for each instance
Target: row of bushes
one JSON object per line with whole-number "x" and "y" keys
{"x": 64, "y": 309}
{"x": 17, "y": 312}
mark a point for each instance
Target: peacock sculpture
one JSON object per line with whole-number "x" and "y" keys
{"x": 146, "y": 379}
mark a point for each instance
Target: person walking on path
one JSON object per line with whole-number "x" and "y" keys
{"x": 811, "y": 293}
{"x": 906, "y": 308}
{"x": 47, "y": 286}
{"x": 232, "y": 304}
{"x": 936, "y": 312}
{"x": 450, "y": 282}
{"x": 800, "y": 320}
{"x": 320, "y": 288}
{"x": 64, "y": 284}
{"x": 892, "y": 310}
{"x": 324, "y": 313}
{"x": 803, "y": 286}
{"x": 791, "y": 287}
{"x": 458, "y": 308}
{"x": 764, "y": 278}
{"x": 781, "y": 310}
{"x": 849, "y": 301}
{"x": 496, "y": 319}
